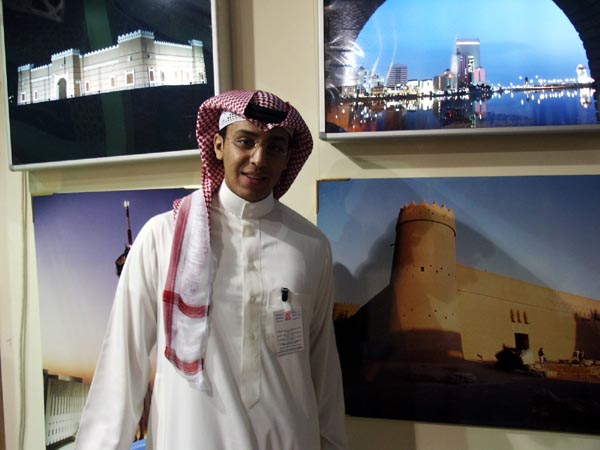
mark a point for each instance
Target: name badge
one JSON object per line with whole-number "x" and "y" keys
{"x": 289, "y": 334}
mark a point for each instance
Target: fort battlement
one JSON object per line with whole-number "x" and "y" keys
{"x": 431, "y": 212}
{"x": 134, "y": 35}
{"x": 114, "y": 68}
{"x": 172, "y": 44}
{"x": 44, "y": 67}
{"x": 102, "y": 50}
{"x": 64, "y": 53}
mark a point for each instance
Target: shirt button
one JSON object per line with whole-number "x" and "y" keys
{"x": 252, "y": 337}
{"x": 250, "y": 265}
{"x": 252, "y": 299}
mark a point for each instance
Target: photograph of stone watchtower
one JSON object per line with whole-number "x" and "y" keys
{"x": 490, "y": 313}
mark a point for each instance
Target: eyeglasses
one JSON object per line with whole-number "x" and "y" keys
{"x": 273, "y": 148}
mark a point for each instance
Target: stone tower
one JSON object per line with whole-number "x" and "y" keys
{"x": 424, "y": 312}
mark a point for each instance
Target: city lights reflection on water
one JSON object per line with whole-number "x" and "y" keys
{"x": 501, "y": 109}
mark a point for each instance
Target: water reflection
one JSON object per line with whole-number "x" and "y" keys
{"x": 476, "y": 109}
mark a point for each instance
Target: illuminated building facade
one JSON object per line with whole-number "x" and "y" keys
{"x": 582, "y": 75}
{"x": 445, "y": 82}
{"x": 397, "y": 76}
{"x": 136, "y": 61}
{"x": 467, "y": 62}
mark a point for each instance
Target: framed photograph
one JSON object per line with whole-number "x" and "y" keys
{"x": 77, "y": 279}
{"x": 108, "y": 80}
{"x": 470, "y": 300}
{"x": 394, "y": 68}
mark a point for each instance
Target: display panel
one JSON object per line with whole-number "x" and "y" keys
{"x": 393, "y": 68}
{"x": 99, "y": 81}
{"x": 470, "y": 300}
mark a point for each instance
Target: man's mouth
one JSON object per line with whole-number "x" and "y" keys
{"x": 254, "y": 176}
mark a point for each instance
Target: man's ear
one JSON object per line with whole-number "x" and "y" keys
{"x": 218, "y": 143}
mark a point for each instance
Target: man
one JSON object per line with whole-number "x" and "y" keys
{"x": 235, "y": 289}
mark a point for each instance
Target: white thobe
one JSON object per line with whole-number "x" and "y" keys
{"x": 260, "y": 399}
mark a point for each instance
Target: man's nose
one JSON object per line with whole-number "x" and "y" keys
{"x": 259, "y": 154}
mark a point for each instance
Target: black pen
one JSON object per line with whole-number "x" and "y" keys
{"x": 284, "y": 294}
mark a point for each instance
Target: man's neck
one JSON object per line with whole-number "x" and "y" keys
{"x": 241, "y": 208}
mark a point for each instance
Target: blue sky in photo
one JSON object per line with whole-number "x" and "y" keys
{"x": 539, "y": 229}
{"x": 78, "y": 237}
{"x": 518, "y": 38}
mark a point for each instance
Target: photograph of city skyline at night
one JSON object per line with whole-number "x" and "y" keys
{"x": 402, "y": 65}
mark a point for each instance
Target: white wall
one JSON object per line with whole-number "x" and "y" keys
{"x": 275, "y": 47}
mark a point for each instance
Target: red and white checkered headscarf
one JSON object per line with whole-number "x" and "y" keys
{"x": 236, "y": 102}
{"x": 187, "y": 294}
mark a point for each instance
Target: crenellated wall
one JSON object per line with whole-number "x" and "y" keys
{"x": 136, "y": 61}
{"x": 434, "y": 309}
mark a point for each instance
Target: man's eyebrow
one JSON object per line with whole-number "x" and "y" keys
{"x": 247, "y": 132}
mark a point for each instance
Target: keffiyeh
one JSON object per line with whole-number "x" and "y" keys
{"x": 187, "y": 294}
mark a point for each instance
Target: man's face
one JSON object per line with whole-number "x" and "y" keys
{"x": 251, "y": 170}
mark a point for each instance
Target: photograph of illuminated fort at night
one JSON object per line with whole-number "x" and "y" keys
{"x": 468, "y": 300}
{"x": 401, "y": 65}
{"x": 136, "y": 61}
{"x": 108, "y": 79}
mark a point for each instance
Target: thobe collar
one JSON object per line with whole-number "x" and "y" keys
{"x": 243, "y": 209}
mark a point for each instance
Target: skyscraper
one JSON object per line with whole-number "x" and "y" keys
{"x": 467, "y": 61}
{"x": 397, "y": 75}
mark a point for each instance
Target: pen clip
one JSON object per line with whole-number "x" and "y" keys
{"x": 284, "y": 294}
